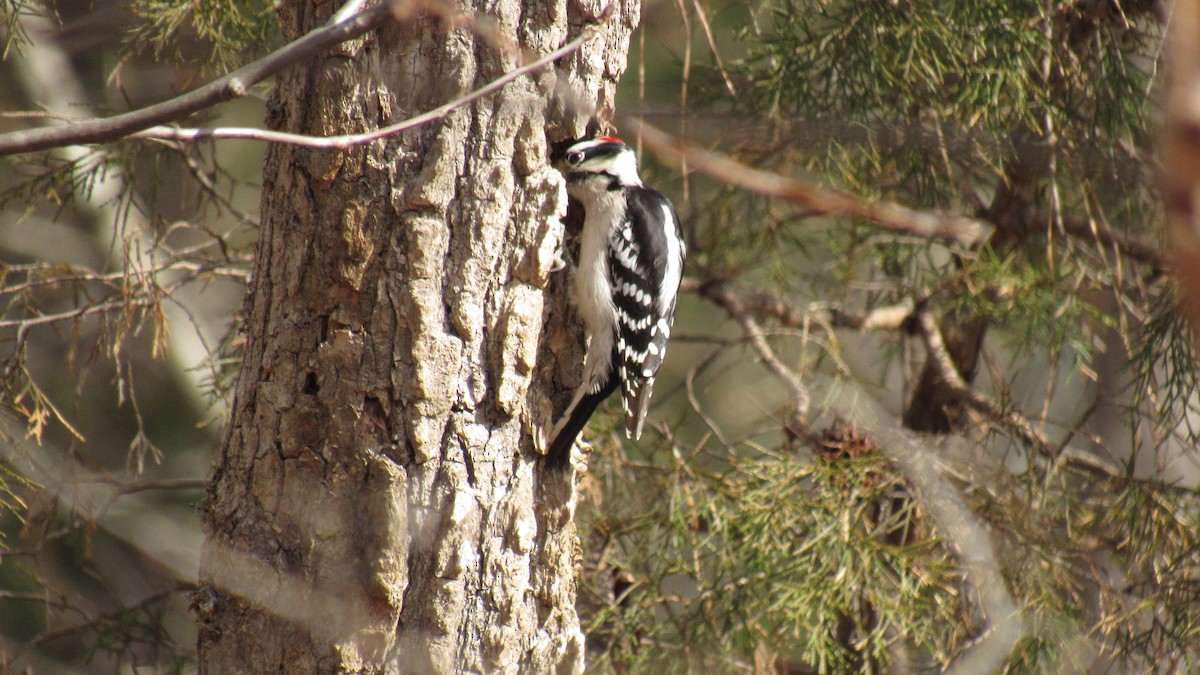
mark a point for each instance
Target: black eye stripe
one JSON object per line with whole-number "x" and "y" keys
{"x": 578, "y": 157}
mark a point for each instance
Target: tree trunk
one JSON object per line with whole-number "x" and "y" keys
{"x": 378, "y": 505}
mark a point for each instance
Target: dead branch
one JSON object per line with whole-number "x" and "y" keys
{"x": 167, "y": 133}
{"x": 231, "y": 86}
{"x": 968, "y": 232}
{"x": 721, "y": 295}
{"x": 766, "y": 305}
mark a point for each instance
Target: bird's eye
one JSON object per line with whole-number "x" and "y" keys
{"x": 574, "y": 158}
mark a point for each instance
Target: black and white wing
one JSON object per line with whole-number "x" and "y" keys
{"x": 645, "y": 266}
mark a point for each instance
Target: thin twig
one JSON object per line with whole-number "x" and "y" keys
{"x": 233, "y": 85}
{"x": 23, "y": 325}
{"x": 712, "y": 45}
{"x": 690, "y": 384}
{"x": 935, "y": 346}
{"x": 940, "y": 356}
{"x": 349, "y": 140}
{"x": 70, "y": 276}
{"x": 720, "y": 294}
{"x": 208, "y": 184}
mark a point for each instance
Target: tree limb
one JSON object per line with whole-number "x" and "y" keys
{"x": 764, "y": 305}
{"x": 233, "y": 85}
{"x": 721, "y": 295}
{"x": 969, "y": 232}
{"x": 168, "y": 133}
{"x": 927, "y": 326}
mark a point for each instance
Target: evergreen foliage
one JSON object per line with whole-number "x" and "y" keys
{"x": 231, "y": 31}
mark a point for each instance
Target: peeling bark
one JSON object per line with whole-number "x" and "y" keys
{"x": 378, "y": 505}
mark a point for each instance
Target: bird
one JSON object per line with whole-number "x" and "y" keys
{"x": 631, "y": 257}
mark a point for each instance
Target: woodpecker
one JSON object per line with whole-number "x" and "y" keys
{"x": 630, "y": 263}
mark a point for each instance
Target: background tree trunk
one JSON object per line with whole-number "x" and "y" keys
{"x": 377, "y": 505}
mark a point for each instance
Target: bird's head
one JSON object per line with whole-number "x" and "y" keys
{"x": 602, "y": 163}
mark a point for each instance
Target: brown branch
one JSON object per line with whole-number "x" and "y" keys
{"x": 891, "y": 216}
{"x": 940, "y": 356}
{"x": 1132, "y": 247}
{"x": 23, "y": 325}
{"x": 891, "y": 317}
{"x": 721, "y": 295}
{"x": 764, "y": 305}
{"x": 969, "y": 232}
{"x": 167, "y": 133}
{"x": 83, "y": 275}
{"x": 233, "y": 85}
{"x": 694, "y": 401}
{"x": 927, "y": 326}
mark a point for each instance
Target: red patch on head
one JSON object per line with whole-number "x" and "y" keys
{"x": 611, "y": 139}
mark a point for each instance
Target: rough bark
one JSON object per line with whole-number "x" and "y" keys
{"x": 378, "y": 506}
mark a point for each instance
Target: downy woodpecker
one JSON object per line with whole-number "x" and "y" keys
{"x": 630, "y": 264}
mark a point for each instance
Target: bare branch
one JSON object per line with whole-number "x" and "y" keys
{"x": 1088, "y": 228}
{"x": 349, "y": 140}
{"x": 233, "y": 85}
{"x": 721, "y": 295}
{"x": 146, "y": 123}
{"x": 23, "y": 325}
{"x": 935, "y": 346}
{"x": 764, "y": 305}
{"x": 927, "y": 326}
{"x": 694, "y": 401}
{"x": 712, "y": 46}
{"x": 969, "y": 232}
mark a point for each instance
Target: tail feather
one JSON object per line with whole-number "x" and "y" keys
{"x": 558, "y": 458}
{"x": 635, "y": 410}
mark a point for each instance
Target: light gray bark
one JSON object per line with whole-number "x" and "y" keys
{"x": 378, "y": 506}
